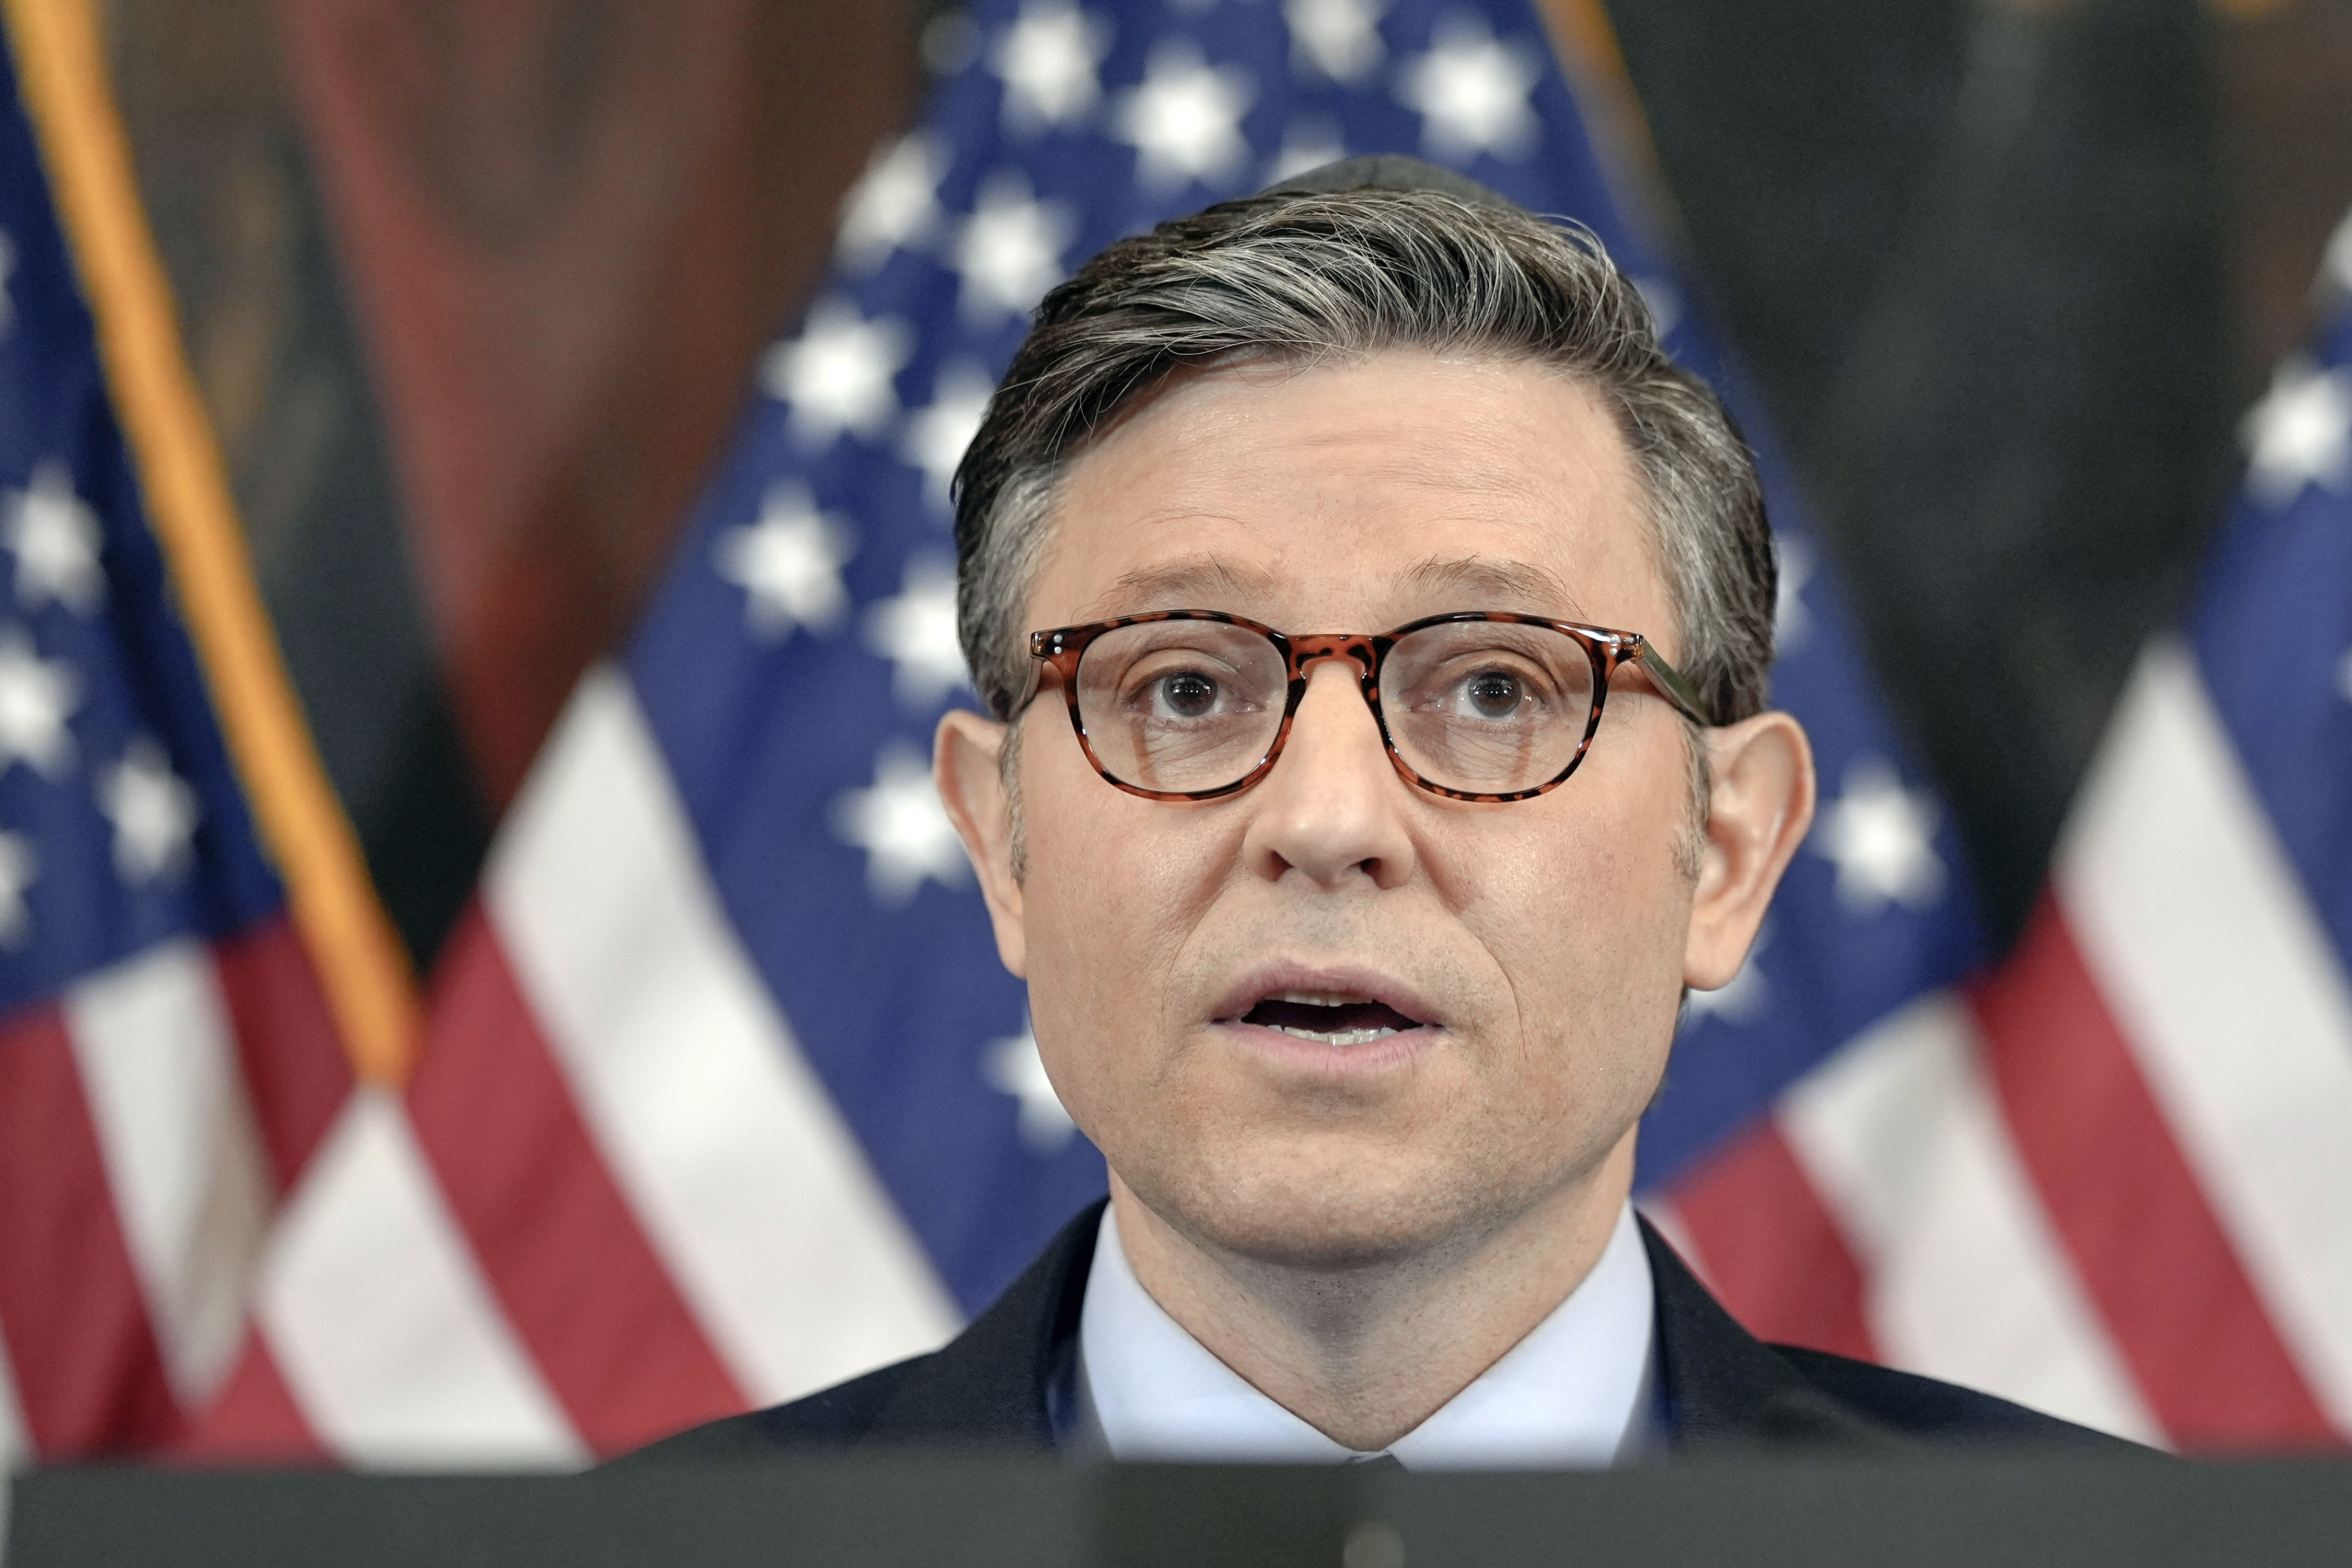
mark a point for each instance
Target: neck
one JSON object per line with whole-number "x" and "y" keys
{"x": 1368, "y": 1353}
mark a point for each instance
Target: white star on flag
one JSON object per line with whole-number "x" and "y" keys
{"x": 1012, "y": 1066}
{"x": 1049, "y": 59}
{"x": 788, "y": 565}
{"x": 55, "y": 540}
{"x": 1338, "y": 38}
{"x": 36, "y": 696}
{"x": 18, "y": 866}
{"x": 836, "y": 375}
{"x": 1792, "y": 621}
{"x": 153, "y": 811}
{"x": 902, "y": 828}
{"x": 895, "y": 203}
{"x": 1306, "y": 144}
{"x": 1880, "y": 834}
{"x": 1009, "y": 251}
{"x": 936, "y": 438}
{"x": 1471, "y": 91}
{"x": 917, "y": 632}
{"x": 2298, "y": 433}
{"x": 1185, "y": 120}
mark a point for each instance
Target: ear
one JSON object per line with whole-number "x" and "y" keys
{"x": 966, "y": 755}
{"x": 1758, "y": 810}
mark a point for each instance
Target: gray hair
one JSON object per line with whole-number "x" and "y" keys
{"x": 1307, "y": 276}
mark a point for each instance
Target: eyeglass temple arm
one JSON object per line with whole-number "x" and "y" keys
{"x": 1670, "y": 683}
{"x": 1044, "y": 646}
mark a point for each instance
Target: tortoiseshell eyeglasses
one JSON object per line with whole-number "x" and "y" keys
{"x": 1189, "y": 705}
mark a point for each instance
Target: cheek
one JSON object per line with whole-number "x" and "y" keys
{"x": 1115, "y": 885}
{"x": 1586, "y": 920}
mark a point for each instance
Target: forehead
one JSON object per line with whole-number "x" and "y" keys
{"x": 1394, "y": 484}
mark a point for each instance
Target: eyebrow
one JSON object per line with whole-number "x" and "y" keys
{"x": 1206, "y": 581}
{"x": 1197, "y": 582}
{"x": 1490, "y": 577}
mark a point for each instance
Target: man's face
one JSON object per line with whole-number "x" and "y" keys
{"x": 1534, "y": 950}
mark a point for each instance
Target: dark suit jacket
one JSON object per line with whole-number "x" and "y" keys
{"x": 990, "y": 1385}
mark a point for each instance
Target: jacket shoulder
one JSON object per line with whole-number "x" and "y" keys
{"x": 838, "y": 1417}
{"x": 989, "y": 1386}
{"x": 1942, "y": 1412}
{"x": 1725, "y": 1387}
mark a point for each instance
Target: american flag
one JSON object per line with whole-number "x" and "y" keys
{"x": 723, "y": 1095}
{"x": 168, "y": 1059}
{"x": 2107, "y": 1178}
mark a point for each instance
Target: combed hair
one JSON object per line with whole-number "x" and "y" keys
{"x": 1320, "y": 277}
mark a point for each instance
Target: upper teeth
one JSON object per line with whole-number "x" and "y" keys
{"x": 1324, "y": 999}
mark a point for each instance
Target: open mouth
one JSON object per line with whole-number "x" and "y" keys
{"x": 1329, "y": 1017}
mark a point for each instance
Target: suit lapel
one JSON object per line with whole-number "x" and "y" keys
{"x": 992, "y": 1383}
{"x": 1726, "y": 1389}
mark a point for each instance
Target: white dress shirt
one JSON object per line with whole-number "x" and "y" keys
{"x": 1579, "y": 1390}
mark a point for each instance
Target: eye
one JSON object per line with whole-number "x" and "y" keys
{"x": 1493, "y": 693}
{"x": 1186, "y": 694}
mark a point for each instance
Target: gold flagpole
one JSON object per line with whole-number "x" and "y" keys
{"x": 61, "y": 71}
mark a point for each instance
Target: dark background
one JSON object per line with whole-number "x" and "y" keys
{"x": 473, "y": 288}
{"x": 2006, "y": 274}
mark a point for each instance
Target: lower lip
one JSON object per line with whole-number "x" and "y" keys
{"x": 1384, "y": 1054}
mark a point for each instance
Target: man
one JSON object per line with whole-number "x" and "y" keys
{"x": 1374, "y": 625}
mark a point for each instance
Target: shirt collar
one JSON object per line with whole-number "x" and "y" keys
{"x": 1576, "y": 1391}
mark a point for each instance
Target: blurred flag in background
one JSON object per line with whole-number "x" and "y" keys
{"x": 721, "y": 1094}
{"x": 2108, "y": 1177}
{"x": 168, "y": 1057}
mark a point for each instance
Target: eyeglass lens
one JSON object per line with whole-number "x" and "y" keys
{"x": 1475, "y": 706}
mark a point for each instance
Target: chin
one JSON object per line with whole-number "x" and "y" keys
{"x": 1314, "y": 1211}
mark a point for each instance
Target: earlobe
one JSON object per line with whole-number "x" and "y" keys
{"x": 966, "y": 756}
{"x": 1758, "y": 810}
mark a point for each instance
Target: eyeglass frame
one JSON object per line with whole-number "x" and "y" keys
{"x": 1061, "y": 648}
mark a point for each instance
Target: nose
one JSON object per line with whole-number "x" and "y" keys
{"x": 1333, "y": 808}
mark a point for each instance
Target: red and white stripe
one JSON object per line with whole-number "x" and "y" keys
{"x": 2235, "y": 1004}
{"x": 377, "y": 1317}
{"x": 2105, "y": 1182}
{"x": 138, "y": 1180}
{"x": 613, "y": 1200}
{"x": 159, "y": 1074}
{"x": 723, "y": 1139}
